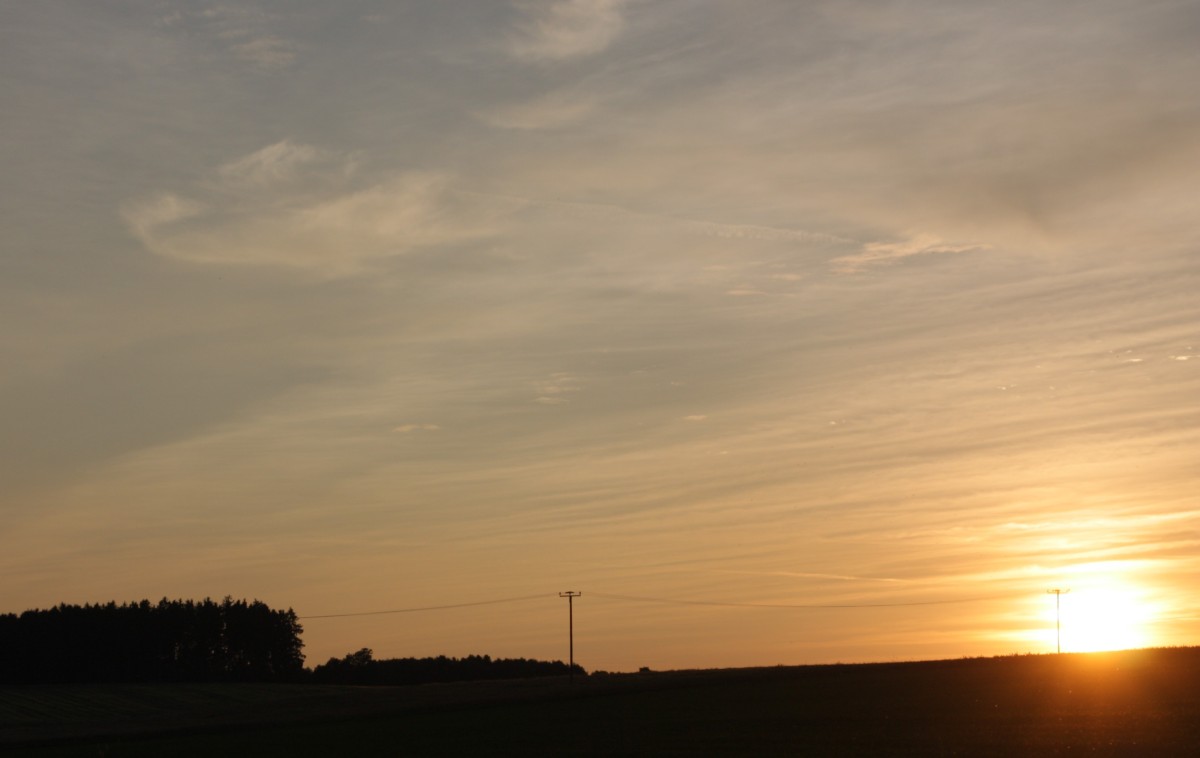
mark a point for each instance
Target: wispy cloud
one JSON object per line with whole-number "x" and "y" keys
{"x": 555, "y": 390}
{"x": 314, "y": 217}
{"x": 885, "y": 253}
{"x": 265, "y": 51}
{"x": 553, "y": 111}
{"x": 246, "y": 32}
{"x": 409, "y": 428}
{"x": 815, "y": 575}
{"x": 146, "y": 216}
{"x": 278, "y": 162}
{"x": 562, "y": 29}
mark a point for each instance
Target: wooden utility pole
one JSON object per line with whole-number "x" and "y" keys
{"x": 570, "y": 596}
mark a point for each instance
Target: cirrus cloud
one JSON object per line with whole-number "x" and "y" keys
{"x": 566, "y": 29}
{"x": 315, "y": 215}
{"x": 884, "y": 253}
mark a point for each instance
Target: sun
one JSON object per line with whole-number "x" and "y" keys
{"x": 1095, "y": 618}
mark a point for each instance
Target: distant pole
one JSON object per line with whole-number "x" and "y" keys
{"x": 570, "y": 596}
{"x": 1057, "y": 614}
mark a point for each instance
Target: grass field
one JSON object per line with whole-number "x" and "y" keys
{"x": 1132, "y": 703}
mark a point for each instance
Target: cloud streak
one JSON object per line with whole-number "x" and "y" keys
{"x": 241, "y": 30}
{"x": 293, "y": 206}
{"x": 887, "y": 253}
{"x": 554, "y": 30}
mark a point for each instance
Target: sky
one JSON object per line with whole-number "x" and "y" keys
{"x": 786, "y": 332}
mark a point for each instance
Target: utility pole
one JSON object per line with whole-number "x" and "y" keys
{"x": 570, "y": 596}
{"x": 1057, "y": 614}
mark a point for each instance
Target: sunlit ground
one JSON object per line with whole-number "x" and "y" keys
{"x": 1099, "y": 613}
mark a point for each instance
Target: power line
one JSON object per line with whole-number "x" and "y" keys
{"x": 668, "y": 601}
{"x": 673, "y": 601}
{"x": 428, "y": 607}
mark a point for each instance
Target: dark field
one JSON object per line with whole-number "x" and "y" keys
{"x": 1134, "y": 703}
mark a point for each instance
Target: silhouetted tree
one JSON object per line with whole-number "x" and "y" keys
{"x": 173, "y": 640}
{"x": 362, "y": 668}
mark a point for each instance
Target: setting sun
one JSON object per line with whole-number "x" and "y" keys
{"x": 1102, "y": 618}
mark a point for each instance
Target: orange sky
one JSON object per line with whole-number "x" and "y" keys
{"x": 889, "y": 307}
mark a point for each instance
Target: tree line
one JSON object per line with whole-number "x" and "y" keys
{"x": 362, "y": 668}
{"x": 209, "y": 641}
{"x": 172, "y": 640}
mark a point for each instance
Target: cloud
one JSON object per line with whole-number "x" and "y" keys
{"x": 552, "y": 391}
{"x": 885, "y": 253}
{"x": 566, "y": 29}
{"x": 112, "y": 402}
{"x": 295, "y": 205}
{"x": 407, "y": 428}
{"x": 273, "y": 163}
{"x": 1021, "y": 144}
{"x": 268, "y": 51}
{"x": 552, "y": 111}
{"x": 144, "y": 216}
{"x": 766, "y": 233}
{"x": 247, "y": 33}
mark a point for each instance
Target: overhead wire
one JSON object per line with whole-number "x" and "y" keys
{"x": 677, "y": 601}
{"x": 666, "y": 601}
{"x": 428, "y": 607}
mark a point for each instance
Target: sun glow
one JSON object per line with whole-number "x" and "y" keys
{"x": 1098, "y": 617}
